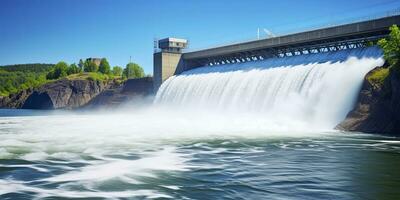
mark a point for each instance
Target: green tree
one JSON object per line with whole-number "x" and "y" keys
{"x": 117, "y": 71}
{"x": 391, "y": 48}
{"x": 90, "y": 66}
{"x": 10, "y": 87}
{"x": 133, "y": 70}
{"x": 59, "y": 71}
{"x": 73, "y": 69}
{"x": 104, "y": 66}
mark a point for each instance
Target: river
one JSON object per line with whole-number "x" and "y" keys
{"x": 104, "y": 155}
{"x": 256, "y": 130}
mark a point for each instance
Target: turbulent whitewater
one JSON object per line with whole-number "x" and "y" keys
{"x": 240, "y": 131}
{"x": 315, "y": 90}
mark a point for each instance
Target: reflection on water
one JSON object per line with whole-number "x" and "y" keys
{"x": 138, "y": 156}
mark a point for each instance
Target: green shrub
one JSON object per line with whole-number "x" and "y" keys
{"x": 378, "y": 76}
{"x": 60, "y": 70}
{"x": 117, "y": 71}
{"x": 104, "y": 66}
{"x": 391, "y": 48}
{"x": 73, "y": 69}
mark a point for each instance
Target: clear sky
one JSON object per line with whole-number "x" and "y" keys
{"x": 48, "y": 31}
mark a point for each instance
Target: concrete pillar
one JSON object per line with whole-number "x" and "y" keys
{"x": 166, "y": 64}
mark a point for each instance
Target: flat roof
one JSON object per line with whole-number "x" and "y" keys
{"x": 171, "y": 39}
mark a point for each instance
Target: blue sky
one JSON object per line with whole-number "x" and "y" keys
{"x": 48, "y": 31}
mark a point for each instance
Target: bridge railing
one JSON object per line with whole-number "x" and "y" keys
{"x": 394, "y": 12}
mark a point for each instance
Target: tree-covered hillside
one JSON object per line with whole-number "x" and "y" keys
{"x": 14, "y": 78}
{"x": 37, "y": 68}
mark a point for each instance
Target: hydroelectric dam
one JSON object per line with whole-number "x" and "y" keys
{"x": 170, "y": 60}
{"x": 307, "y": 80}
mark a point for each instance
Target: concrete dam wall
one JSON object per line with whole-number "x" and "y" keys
{"x": 303, "y": 91}
{"x": 170, "y": 59}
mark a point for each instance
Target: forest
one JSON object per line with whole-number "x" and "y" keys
{"x": 15, "y": 78}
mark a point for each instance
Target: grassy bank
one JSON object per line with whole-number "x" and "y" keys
{"x": 94, "y": 76}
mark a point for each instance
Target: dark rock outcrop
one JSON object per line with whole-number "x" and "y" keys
{"x": 377, "y": 109}
{"x": 16, "y": 100}
{"x": 67, "y": 94}
{"x": 38, "y": 100}
{"x": 139, "y": 86}
{"x": 133, "y": 90}
{"x": 71, "y": 94}
{"x": 60, "y": 94}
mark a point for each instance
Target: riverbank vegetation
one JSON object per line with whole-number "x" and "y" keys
{"x": 14, "y": 78}
{"x": 378, "y": 76}
{"x": 391, "y": 48}
{"x": 391, "y": 54}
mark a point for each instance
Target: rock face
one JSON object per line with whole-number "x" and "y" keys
{"x": 133, "y": 90}
{"x": 377, "y": 109}
{"x": 66, "y": 94}
{"x": 15, "y": 100}
{"x": 139, "y": 86}
{"x": 71, "y": 94}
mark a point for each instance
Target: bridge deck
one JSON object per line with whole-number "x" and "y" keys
{"x": 372, "y": 29}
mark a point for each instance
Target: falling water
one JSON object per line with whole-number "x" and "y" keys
{"x": 239, "y": 131}
{"x": 315, "y": 90}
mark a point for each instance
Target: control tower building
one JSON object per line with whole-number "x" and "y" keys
{"x": 167, "y": 59}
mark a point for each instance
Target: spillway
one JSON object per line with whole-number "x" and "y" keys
{"x": 314, "y": 90}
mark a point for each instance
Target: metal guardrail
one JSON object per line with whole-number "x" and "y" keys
{"x": 394, "y": 12}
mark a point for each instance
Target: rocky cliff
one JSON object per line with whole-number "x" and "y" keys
{"x": 134, "y": 91}
{"x": 66, "y": 94}
{"x": 71, "y": 94}
{"x": 15, "y": 100}
{"x": 378, "y": 107}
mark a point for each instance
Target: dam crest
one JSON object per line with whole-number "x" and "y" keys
{"x": 169, "y": 58}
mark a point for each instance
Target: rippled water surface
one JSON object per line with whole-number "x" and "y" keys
{"x": 125, "y": 156}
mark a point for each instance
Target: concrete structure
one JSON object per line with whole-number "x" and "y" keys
{"x": 172, "y": 44}
{"x": 94, "y": 60}
{"x": 167, "y": 60}
{"x": 336, "y": 38}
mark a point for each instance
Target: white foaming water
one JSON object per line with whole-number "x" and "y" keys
{"x": 292, "y": 97}
{"x": 308, "y": 91}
